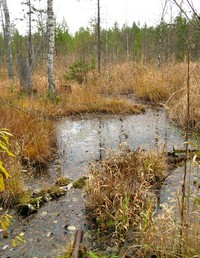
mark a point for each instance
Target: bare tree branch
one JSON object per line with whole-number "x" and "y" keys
{"x": 192, "y": 9}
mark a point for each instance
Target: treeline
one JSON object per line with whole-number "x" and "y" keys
{"x": 164, "y": 42}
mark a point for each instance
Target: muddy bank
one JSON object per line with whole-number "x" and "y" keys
{"x": 49, "y": 231}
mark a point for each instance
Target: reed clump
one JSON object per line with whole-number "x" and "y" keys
{"x": 166, "y": 237}
{"x": 120, "y": 189}
{"x": 178, "y": 108}
{"x": 88, "y": 100}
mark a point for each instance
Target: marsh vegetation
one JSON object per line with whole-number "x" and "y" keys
{"x": 101, "y": 144}
{"x": 121, "y": 191}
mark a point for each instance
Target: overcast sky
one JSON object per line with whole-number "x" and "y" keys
{"x": 79, "y": 13}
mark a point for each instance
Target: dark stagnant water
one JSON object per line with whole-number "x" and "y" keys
{"x": 81, "y": 140}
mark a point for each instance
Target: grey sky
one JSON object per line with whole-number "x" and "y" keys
{"x": 79, "y": 13}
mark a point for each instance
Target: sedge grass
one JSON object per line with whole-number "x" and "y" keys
{"x": 118, "y": 190}
{"x": 165, "y": 236}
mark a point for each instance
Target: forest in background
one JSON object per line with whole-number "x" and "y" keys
{"x": 136, "y": 43}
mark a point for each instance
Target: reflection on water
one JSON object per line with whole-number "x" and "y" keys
{"x": 82, "y": 140}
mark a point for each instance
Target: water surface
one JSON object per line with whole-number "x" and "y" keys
{"x": 83, "y": 139}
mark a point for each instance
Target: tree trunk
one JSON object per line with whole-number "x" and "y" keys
{"x": 51, "y": 45}
{"x": 7, "y": 35}
{"x": 24, "y": 74}
{"x": 30, "y": 43}
{"x": 98, "y": 37}
{"x": 160, "y": 41}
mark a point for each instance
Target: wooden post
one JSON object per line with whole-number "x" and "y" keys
{"x": 78, "y": 240}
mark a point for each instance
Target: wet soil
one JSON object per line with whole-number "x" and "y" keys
{"x": 82, "y": 140}
{"x": 49, "y": 230}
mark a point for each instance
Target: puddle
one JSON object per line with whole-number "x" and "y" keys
{"x": 82, "y": 140}
{"x": 79, "y": 141}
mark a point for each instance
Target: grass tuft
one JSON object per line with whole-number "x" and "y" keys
{"x": 165, "y": 237}
{"x": 119, "y": 189}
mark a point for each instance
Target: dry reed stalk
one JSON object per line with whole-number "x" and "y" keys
{"x": 119, "y": 189}
{"x": 164, "y": 233}
{"x": 176, "y": 103}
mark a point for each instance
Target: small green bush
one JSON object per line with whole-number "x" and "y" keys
{"x": 78, "y": 70}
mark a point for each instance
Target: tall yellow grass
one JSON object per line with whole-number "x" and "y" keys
{"x": 147, "y": 82}
{"x": 177, "y": 103}
{"x": 34, "y": 135}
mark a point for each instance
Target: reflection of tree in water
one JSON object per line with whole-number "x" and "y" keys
{"x": 123, "y": 136}
{"x": 101, "y": 140}
{"x": 161, "y": 138}
{"x": 87, "y": 139}
{"x": 105, "y": 135}
{"x": 157, "y": 136}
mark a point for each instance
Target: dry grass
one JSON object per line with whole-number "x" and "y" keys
{"x": 166, "y": 86}
{"x": 33, "y": 137}
{"x": 147, "y": 82}
{"x": 27, "y": 118}
{"x": 121, "y": 203}
{"x": 177, "y": 103}
{"x": 33, "y": 132}
{"x": 86, "y": 99}
{"x": 164, "y": 236}
{"x": 119, "y": 189}
{"x": 14, "y": 186}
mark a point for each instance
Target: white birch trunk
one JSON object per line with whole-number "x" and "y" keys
{"x": 7, "y": 35}
{"x": 51, "y": 45}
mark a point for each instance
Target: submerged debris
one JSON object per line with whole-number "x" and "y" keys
{"x": 33, "y": 202}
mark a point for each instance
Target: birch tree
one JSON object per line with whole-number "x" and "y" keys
{"x": 51, "y": 45}
{"x": 7, "y": 37}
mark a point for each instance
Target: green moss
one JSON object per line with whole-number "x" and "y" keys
{"x": 53, "y": 192}
{"x": 30, "y": 203}
{"x": 63, "y": 181}
{"x": 80, "y": 183}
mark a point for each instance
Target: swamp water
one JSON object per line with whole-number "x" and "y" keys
{"x": 81, "y": 140}
{"x": 87, "y": 139}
